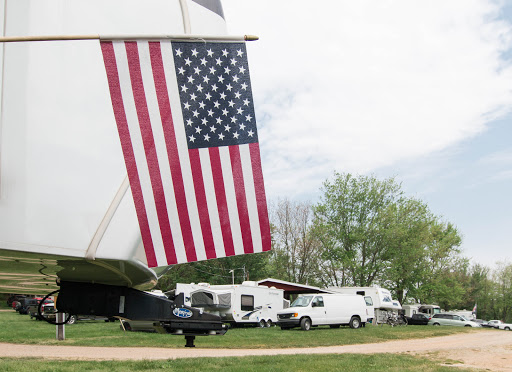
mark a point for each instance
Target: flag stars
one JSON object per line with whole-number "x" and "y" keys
{"x": 191, "y": 138}
{"x": 236, "y": 135}
{"x": 178, "y": 52}
{"x": 206, "y": 79}
{"x": 210, "y": 52}
{"x": 242, "y": 69}
{"x": 188, "y": 61}
{"x": 239, "y": 53}
{"x": 186, "y": 105}
{"x": 214, "y": 87}
{"x": 237, "y": 95}
{"x": 208, "y": 96}
{"x": 233, "y": 119}
{"x": 231, "y": 103}
{"x": 199, "y": 88}
{"x": 223, "y": 95}
{"x": 250, "y": 133}
{"x": 193, "y": 96}
{"x": 225, "y": 53}
{"x": 242, "y": 126}
{"x": 184, "y": 88}
{"x": 239, "y": 111}
{"x": 218, "y": 61}
{"x": 202, "y": 105}
{"x": 227, "y": 70}
{"x": 204, "y": 121}
{"x": 221, "y": 78}
{"x": 216, "y": 104}
{"x": 181, "y": 71}
{"x": 213, "y": 129}
{"x": 248, "y": 117}
{"x": 190, "y": 79}
{"x": 189, "y": 122}
{"x": 207, "y": 137}
{"x": 210, "y": 112}
{"x": 194, "y": 52}
{"x": 197, "y": 70}
{"x": 221, "y": 136}
{"x": 227, "y": 127}
{"x": 198, "y": 130}
{"x": 195, "y": 113}
{"x": 235, "y": 78}
{"x": 246, "y": 102}
{"x": 212, "y": 70}
{"x": 233, "y": 61}
{"x": 224, "y": 112}
{"x": 203, "y": 61}
{"x": 244, "y": 86}
{"x": 219, "y": 121}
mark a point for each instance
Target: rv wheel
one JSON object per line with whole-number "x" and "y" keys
{"x": 262, "y": 323}
{"x": 269, "y": 323}
{"x": 305, "y": 324}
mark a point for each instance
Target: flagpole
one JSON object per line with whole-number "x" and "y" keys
{"x": 227, "y": 38}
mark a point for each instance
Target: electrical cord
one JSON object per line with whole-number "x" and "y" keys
{"x": 40, "y": 313}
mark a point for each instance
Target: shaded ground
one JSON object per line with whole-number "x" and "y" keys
{"x": 491, "y": 350}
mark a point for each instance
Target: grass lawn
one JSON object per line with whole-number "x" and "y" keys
{"x": 296, "y": 363}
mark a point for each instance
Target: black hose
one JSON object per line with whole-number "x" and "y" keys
{"x": 41, "y": 316}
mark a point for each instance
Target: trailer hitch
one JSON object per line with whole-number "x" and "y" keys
{"x": 127, "y": 303}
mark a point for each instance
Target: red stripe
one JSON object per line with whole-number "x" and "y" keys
{"x": 126, "y": 144}
{"x": 222, "y": 205}
{"x": 241, "y": 199}
{"x": 261, "y": 200}
{"x": 202, "y": 206}
{"x": 149, "y": 149}
{"x": 172, "y": 149}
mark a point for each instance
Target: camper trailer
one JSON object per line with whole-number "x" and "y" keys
{"x": 239, "y": 304}
{"x": 429, "y": 310}
{"x": 380, "y": 298}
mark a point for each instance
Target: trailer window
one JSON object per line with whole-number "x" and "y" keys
{"x": 368, "y": 300}
{"x": 247, "y": 302}
{"x": 202, "y": 299}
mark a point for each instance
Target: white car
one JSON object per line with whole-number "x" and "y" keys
{"x": 494, "y": 323}
{"x": 505, "y": 326}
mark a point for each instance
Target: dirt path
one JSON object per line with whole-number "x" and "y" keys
{"x": 491, "y": 350}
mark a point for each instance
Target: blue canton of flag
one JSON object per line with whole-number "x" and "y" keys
{"x": 215, "y": 93}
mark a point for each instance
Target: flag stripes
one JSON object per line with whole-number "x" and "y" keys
{"x": 191, "y": 204}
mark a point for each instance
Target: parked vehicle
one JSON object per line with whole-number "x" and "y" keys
{"x": 483, "y": 323}
{"x": 240, "y": 304}
{"x": 418, "y": 319}
{"x": 495, "y": 323}
{"x": 26, "y": 303}
{"x": 505, "y": 326}
{"x": 334, "y": 310}
{"x": 379, "y": 298}
{"x": 447, "y": 319}
{"x": 429, "y": 310}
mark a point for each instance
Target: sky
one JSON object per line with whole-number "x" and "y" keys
{"x": 416, "y": 90}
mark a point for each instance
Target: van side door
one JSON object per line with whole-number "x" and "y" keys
{"x": 318, "y": 311}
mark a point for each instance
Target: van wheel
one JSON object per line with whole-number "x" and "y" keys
{"x": 355, "y": 322}
{"x": 305, "y": 324}
{"x": 467, "y": 325}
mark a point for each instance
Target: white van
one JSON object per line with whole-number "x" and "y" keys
{"x": 324, "y": 309}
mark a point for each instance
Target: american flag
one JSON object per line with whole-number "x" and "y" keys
{"x": 185, "y": 116}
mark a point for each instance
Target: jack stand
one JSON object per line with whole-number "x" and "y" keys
{"x": 190, "y": 341}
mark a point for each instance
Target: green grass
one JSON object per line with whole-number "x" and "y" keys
{"x": 16, "y": 328}
{"x": 297, "y": 363}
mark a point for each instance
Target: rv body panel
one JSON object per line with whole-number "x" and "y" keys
{"x": 66, "y": 209}
{"x": 248, "y": 303}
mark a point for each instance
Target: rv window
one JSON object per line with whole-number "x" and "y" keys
{"x": 369, "y": 301}
{"x": 202, "y": 299}
{"x": 247, "y": 302}
{"x": 361, "y": 293}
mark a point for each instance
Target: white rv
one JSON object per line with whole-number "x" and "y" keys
{"x": 239, "y": 304}
{"x": 429, "y": 310}
{"x": 333, "y": 310}
{"x": 379, "y": 298}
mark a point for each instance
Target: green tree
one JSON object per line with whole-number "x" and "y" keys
{"x": 351, "y": 224}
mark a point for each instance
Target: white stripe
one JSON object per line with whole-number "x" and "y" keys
{"x": 229, "y": 185}
{"x": 211, "y": 202}
{"x": 138, "y": 149}
{"x": 250, "y": 194}
{"x": 161, "y": 150}
{"x": 181, "y": 139}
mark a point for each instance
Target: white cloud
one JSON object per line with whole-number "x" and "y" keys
{"x": 354, "y": 86}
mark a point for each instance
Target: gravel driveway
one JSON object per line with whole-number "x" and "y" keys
{"x": 491, "y": 350}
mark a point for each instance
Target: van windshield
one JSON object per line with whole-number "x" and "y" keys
{"x": 302, "y": 301}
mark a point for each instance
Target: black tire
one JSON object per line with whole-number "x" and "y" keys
{"x": 467, "y": 325}
{"x": 127, "y": 326}
{"x": 436, "y": 324}
{"x": 72, "y": 319}
{"x": 355, "y": 322}
{"x": 262, "y": 323}
{"x": 305, "y": 324}
{"x": 507, "y": 328}
{"x": 269, "y": 323}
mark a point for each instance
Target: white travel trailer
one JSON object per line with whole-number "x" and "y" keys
{"x": 240, "y": 304}
{"x": 379, "y": 298}
{"x": 334, "y": 310}
{"x": 429, "y": 310}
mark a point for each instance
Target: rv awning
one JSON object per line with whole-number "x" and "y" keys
{"x": 291, "y": 288}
